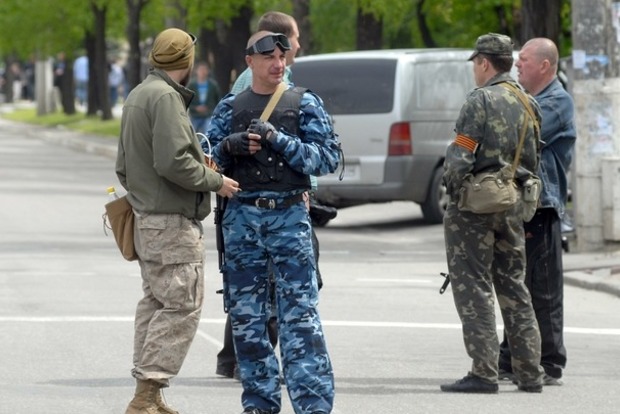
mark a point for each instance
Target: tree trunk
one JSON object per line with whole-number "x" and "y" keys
{"x": 541, "y": 19}
{"x": 425, "y": 31}
{"x": 369, "y": 31}
{"x": 206, "y": 46}
{"x": 133, "y": 74}
{"x": 301, "y": 13}
{"x": 67, "y": 89}
{"x": 91, "y": 100}
{"x": 9, "y": 78}
{"x": 100, "y": 69}
{"x": 230, "y": 50}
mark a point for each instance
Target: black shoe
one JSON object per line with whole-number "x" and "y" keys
{"x": 504, "y": 375}
{"x": 549, "y": 380}
{"x": 227, "y": 371}
{"x": 537, "y": 388}
{"x": 236, "y": 373}
{"x": 471, "y": 384}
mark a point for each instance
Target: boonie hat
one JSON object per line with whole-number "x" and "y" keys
{"x": 492, "y": 44}
{"x": 172, "y": 49}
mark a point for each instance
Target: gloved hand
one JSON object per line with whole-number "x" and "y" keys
{"x": 237, "y": 144}
{"x": 266, "y": 131}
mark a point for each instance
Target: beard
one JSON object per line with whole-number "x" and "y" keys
{"x": 185, "y": 81}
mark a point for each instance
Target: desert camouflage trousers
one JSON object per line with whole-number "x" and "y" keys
{"x": 486, "y": 252}
{"x": 171, "y": 251}
{"x": 253, "y": 238}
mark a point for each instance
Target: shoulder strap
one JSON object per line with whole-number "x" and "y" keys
{"x": 529, "y": 114}
{"x": 273, "y": 101}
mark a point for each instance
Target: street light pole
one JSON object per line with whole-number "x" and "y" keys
{"x": 596, "y": 91}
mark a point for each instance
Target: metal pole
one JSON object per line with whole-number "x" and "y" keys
{"x": 596, "y": 91}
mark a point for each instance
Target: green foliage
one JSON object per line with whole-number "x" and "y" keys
{"x": 37, "y": 26}
{"x": 333, "y": 25}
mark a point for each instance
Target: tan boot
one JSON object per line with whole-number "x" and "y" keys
{"x": 162, "y": 406}
{"x": 145, "y": 399}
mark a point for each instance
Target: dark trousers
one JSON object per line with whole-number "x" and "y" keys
{"x": 545, "y": 281}
{"x": 226, "y": 357}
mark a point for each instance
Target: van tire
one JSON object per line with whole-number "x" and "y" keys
{"x": 436, "y": 202}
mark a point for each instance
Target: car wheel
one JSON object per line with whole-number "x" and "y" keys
{"x": 436, "y": 202}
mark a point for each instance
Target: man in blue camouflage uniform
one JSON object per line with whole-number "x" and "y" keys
{"x": 487, "y": 251}
{"x": 268, "y": 222}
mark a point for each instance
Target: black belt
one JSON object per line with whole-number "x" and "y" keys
{"x": 272, "y": 203}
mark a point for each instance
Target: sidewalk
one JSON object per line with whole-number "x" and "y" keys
{"x": 598, "y": 271}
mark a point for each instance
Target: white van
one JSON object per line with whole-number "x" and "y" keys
{"x": 395, "y": 113}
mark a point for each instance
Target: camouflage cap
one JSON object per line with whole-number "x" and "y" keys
{"x": 492, "y": 44}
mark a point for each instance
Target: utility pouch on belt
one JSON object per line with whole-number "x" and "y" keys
{"x": 532, "y": 188}
{"x": 488, "y": 192}
{"x": 121, "y": 220}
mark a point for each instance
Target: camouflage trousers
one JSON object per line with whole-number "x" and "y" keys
{"x": 486, "y": 252}
{"x": 255, "y": 237}
{"x": 171, "y": 251}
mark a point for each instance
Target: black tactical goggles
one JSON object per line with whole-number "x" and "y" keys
{"x": 268, "y": 44}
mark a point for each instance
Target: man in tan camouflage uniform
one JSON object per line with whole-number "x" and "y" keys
{"x": 161, "y": 165}
{"x": 486, "y": 252}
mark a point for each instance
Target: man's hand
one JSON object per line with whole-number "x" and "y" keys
{"x": 237, "y": 144}
{"x": 266, "y": 131}
{"x": 229, "y": 187}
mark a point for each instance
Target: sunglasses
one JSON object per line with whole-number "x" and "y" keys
{"x": 268, "y": 44}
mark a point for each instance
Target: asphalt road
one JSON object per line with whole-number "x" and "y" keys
{"x": 67, "y": 300}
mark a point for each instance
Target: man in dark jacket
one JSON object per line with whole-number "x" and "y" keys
{"x": 537, "y": 67}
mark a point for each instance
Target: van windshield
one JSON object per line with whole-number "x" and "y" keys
{"x": 349, "y": 86}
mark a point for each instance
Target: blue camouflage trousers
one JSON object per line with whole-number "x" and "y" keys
{"x": 486, "y": 253}
{"x": 255, "y": 237}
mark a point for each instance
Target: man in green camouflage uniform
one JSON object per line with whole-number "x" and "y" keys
{"x": 486, "y": 252}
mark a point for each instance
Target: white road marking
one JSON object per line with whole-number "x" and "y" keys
{"x": 349, "y": 324}
{"x": 396, "y": 281}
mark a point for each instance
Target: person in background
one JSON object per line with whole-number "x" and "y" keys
{"x": 207, "y": 96}
{"x": 161, "y": 165}
{"x": 116, "y": 80}
{"x": 537, "y": 70}
{"x": 486, "y": 252}
{"x": 267, "y": 227}
{"x": 80, "y": 75}
{"x": 58, "y": 76}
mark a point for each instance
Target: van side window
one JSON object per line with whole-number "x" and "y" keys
{"x": 353, "y": 86}
{"x": 441, "y": 85}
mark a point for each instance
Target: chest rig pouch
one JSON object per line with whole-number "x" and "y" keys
{"x": 267, "y": 170}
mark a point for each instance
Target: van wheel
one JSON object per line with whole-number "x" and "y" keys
{"x": 436, "y": 202}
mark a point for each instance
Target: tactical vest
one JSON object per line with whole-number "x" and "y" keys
{"x": 267, "y": 170}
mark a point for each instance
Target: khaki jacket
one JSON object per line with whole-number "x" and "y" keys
{"x": 160, "y": 162}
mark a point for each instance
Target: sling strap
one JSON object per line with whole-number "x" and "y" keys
{"x": 273, "y": 101}
{"x": 529, "y": 114}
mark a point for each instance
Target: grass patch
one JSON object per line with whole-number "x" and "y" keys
{"x": 78, "y": 122}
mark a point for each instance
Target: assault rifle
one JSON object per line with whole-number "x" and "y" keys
{"x": 218, "y": 213}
